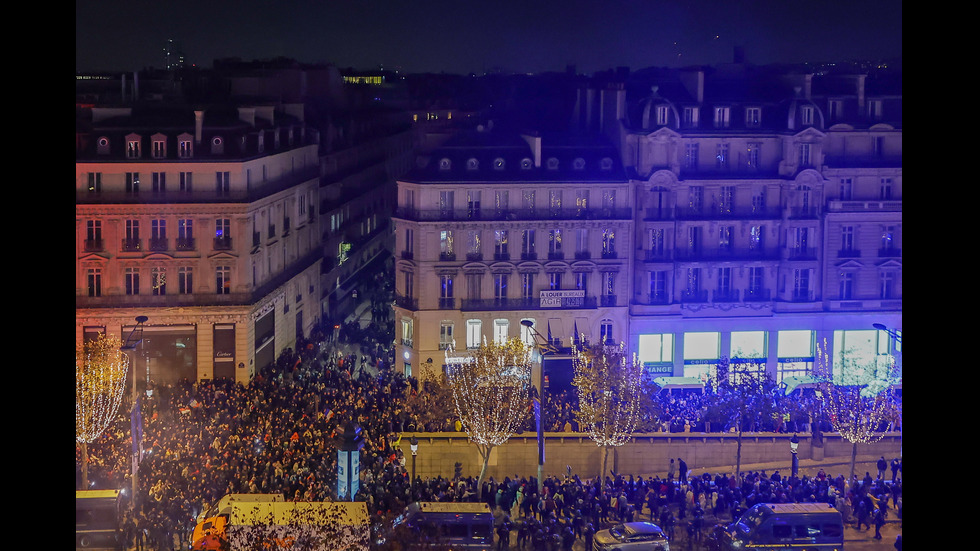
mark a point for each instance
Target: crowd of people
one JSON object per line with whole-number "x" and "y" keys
{"x": 277, "y": 434}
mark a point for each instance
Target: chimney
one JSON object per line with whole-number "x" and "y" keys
{"x": 136, "y": 86}
{"x": 694, "y": 83}
{"x": 198, "y": 126}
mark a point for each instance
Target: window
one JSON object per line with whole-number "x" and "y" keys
{"x": 446, "y": 251}
{"x": 554, "y": 201}
{"x": 581, "y": 200}
{"x": 527, "y": 335}
{"x": 446, "y": 339}
{"x": 804, "y": 155}
{"x": 658, "y": 286}
{"x": 408, "y": 331}
{"x": 159, "y": 149}
{"x": 609, "y": 283}
{"x": 656, "y": 348}
{"x": 527, "y": 199}
{"x": 158, "y": 233}
{"x": 608, "y": 243}
{"x": 222, "y": 276}
{"x": 806, "y": 114}
{"x": 445, "y": 290}
{"x": 721, "y": 157}
{"x": 222, "y": 182}
{"x": 185, "y": 233}
{"x": 527, "y": 245}
{"x": 554, "y": 244}
{"x": 132, "y": 239}
{"x": 409, "y": 284}
{"x": 554, "y": 281}
{"x": 885, "y": 189}
{"x": 132, "y": 182}
{"x": 752, "y": 156}
{"x": 835, "y": 109}
{"x": 759, "y": 201}
{"x": 473, "y": 286}
{"x": 657, "y": 241}
{"x": 887, "y": 284}
{"x": 606, "y": 331}
{"x": 690, "y": 117}
{"x": 222, "y": 231}
{"x": 474, "y": 333}
{"x": 726, "y": 200}
{"x": 500, "y": 199}
{"x": 725, "y": 282}
{"x": 500, "y": 286}
{"x": 158, "y": 281}
{"x": 500, "y": 244}
{"x": 753, "y": 117}
{"x": 93, "y": 235}
{"x": 582, "y": 281}
{"x": 473, "y": 203}
{"x": 94, "y": 182}
{"x": 878, "y": 146}
{"x": 446, "y": 203}
{"x": 133, "y": 149}
{"x": 721, "y": 117}
{"x": 695, "y": 239}
{"x": 846, "y": 189}
{"x": 874, "y": 109}
{"x": 695, "y": 197}
{"x": 691, "y": 156}
{"x": 527, "y": 285}
{"x": 725, "y": 238}
{"x": 473, "y": 245}
{"x": 159, "y": 182}
{"x": 801, "y": 284}
{"x": 582, "y": 241}
{"x": 185, "y": 181}
{"x": 757, "y": 280}
{"x": 185, "y": 280}
{"x": 662, "y": 111}
{"x": 185, "y": 149}
{"x": 846, "y": 240}
{"x": 846, "y": 290}
{"x": 132, "y": 277}
{"x": 94, "y": 282}
{"x": 888, "y": 239}
{"x": 693, "y": 280}
{"x": 501, "y": 330}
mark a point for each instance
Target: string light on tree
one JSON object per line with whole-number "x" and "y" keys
{"x": 100, "y": 383}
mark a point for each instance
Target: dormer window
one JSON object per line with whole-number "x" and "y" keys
{"x": 526, "y": 164}
{"x": 159, "y": 149}
{"x": 133, "y": 148}
{"x": 472, "y": 164}
{"x": 836, "y": 110}
{"x": 578, "y": 163}
{"x": 606, "y": 163}
{"x": 662, "y": 113}
{"x": 721, "y": 117}
{"x": 690, "y": 117}
{"x": 874, "y": 109}
{"x": 185, "y": 149}
{"x": 753, "y": 117}
{"x": 217, "y": 145}
{"x": 806, "y": 114}
{"x": 552, "y": 163}
{"x": 445, "y": 164}
{"x": 499, "y": 164}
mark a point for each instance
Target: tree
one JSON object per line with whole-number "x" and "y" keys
{"x": 743, "y": 393}
{"x": 100, "y": 382}
{"x": 858, "y": 397}
{"x": 609, "y": 386}
{"x": 491, "y": 392}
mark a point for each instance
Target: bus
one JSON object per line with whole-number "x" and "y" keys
{"x": 97, "y": 520}
{"x": 444, "y": 525}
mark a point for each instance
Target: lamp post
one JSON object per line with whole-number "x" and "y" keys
{"x": 543, "y": 349}
{"x": 891, "y": 332}
{"x": 135, "y": 420}
{"x": 414, "y": 444}
{"x": 794, "y": 444}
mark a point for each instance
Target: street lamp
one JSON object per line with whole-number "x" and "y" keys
{"x": 543, "y": 349}
{"x": 136, "y": 426}
{"x": 414, "y": 444}
{"x": 891, "y": 332}
{"x": 794, "y": 444}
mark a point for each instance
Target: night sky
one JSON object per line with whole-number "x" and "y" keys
{"x": 478, "y": 35}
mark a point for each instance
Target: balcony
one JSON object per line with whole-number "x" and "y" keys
{"x": 94, "y": 245}
{"x": 407, "y": 303}
{"x": 501, "y": 256}
{"x": 704, "y": 213}
{"x": 609, "y": 254}
{"x": 849, "y": 253}
{"x": 447, "y": 303}
{"x": 556, "y": 255}
{"x": 526, "y": 303}
{"x": 720, "y": 253}
{"x": 694, "y": 296}
{"x": 607, "y": 301}
{"x": 474, "y": 257}
{"x": 583, "y": 255}
{"x": 725, "y": 295}
{"x": 222, "y": 243}
{"x": 658, "y": 255}
{"x": 132, "y": 245}
{"x": 158, "y": 244}
{"x": 529, "y": 256}
{"x": 801, "y": 253}
{"x": 433, "y": 215}
{"x": 757, "y": 295}
{"x": 889, "y": 252}
{"x": 447, "y": 257}
{"x": 185, "y": 244}
{"x": 801, "y": 295}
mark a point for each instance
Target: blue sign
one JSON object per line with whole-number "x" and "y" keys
{"x": 348, "y": 474}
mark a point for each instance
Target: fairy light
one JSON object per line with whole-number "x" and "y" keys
{"x": 100, "y": 382}
{"x": 609, "y": 390}
{"x": 491, "y": 389}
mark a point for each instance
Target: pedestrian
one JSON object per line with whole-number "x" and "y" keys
{"x": 861, "y": 512}
{"x": 895, "y": 465}
{"x": 503, "y": 533}
{"x": 879, "y": 521}
{"x": 882, "y": 466}
{"x": 670, "y": 470}
{"x": 589, "y": 534}
{"x": 682, "y": 470}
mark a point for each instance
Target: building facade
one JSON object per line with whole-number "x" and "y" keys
{"x": 206, "y": 223}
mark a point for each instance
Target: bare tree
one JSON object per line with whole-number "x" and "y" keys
{"x": 491, "y": 391}
{"x": 100, "y": 383}
{"x": 609, "y": 388}
{"x": 858, "y": 398}
{"x": 744, "y": 393}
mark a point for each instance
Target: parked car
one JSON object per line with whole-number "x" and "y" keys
{"x": 631, "y": 536}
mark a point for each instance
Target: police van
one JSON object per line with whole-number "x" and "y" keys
{"x": 444, "y": 525}
{"x": 797, "y": 526}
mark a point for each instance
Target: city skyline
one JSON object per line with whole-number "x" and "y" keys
{"x": 476, "y": 37}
